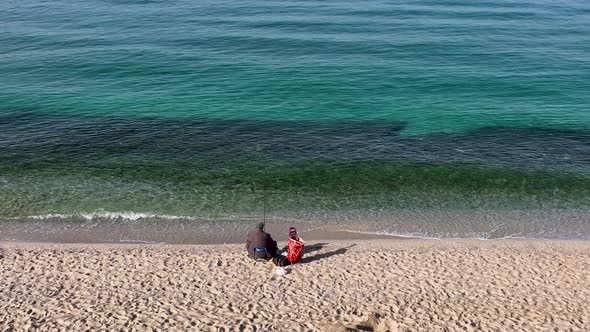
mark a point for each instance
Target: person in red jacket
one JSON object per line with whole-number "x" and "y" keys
{"x": 294, "y": 246}
{"x": 294, "y": 252}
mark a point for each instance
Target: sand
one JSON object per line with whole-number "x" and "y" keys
{"x": 379, "y": 285}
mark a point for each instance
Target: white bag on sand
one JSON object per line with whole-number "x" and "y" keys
{"x": 280, "y": 271}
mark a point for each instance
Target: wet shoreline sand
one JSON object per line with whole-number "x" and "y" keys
{"x": 179, "y": 233}
{"x": 411, "y": 285}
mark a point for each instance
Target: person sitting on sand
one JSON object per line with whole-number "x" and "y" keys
{"x": 260, "y": 244}
{"x": 294, "y": 250}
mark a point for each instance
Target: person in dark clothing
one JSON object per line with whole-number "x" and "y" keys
{"x": 260, "y": 244}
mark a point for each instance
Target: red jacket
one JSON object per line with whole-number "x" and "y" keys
{"x": 295, "y": 249}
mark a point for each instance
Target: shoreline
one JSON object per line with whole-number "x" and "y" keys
{"x": 428, "y": 224}
{"x": 334, "y": 236}
{"x": 140, "y": 232}
{"x": 377, "y": 242}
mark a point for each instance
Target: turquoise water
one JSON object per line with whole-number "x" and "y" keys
{"x": 353, "y": 111}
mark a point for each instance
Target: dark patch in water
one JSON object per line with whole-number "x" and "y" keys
{"x": 29, "y": 138}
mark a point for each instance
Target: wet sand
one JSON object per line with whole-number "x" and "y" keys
{"x": 341, "y": 285}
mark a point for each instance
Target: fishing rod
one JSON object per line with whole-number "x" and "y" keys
{"x": 264, "y": 196}
{"x": 264, "y": 177}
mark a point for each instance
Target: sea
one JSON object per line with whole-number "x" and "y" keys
{"x": 183, "y": 119}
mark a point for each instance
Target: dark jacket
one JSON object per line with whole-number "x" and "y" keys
{"x": 260, "y": 239}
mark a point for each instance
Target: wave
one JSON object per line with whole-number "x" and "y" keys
{"x": 467, "y": 236}
{"x": 112, "y": 215}
{"x": 123, "y": 216}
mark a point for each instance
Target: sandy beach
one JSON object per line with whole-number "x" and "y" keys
{"x": 346, "y": 285}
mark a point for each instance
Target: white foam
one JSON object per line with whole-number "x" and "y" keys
{"x": 409, "y": 236}
{"x": 135, "y": 216}
{"x": 425, "y": 237}
{"x": 101, "y": 214}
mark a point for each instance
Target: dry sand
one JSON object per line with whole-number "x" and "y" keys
{"x": 383, "y": 285}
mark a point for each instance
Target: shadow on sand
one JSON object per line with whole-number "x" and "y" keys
{"x": 317, "y": 247}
